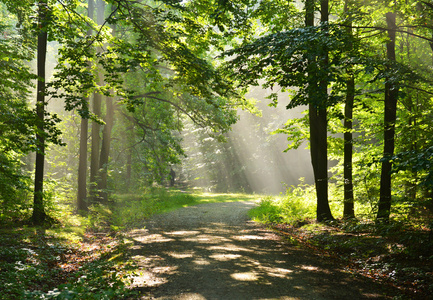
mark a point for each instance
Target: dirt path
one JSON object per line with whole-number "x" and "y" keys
{"x": 213, "y": 251}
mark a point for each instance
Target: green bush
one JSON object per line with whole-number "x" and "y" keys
{"x": 296, "y": 204}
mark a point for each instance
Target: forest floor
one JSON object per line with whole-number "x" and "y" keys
{"x": 214, "y": 251}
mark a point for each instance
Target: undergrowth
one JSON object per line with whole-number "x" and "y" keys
{"x": 79, "y": 257}
{"x": 131, "y": 210}
{"x": 83, "y": 257}
{"x": 36, "y": 264}
{"x": 399, "y": 253}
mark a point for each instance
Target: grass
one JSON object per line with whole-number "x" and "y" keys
{"x": 220, "y": 198}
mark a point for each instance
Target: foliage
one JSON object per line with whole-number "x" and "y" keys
{"x": 16, "y": 118}
{"x": 37, "y": 265}
{"x": 297, "y": 204}
{"x": 417, "y": 161}
{"x": 398, "y": 253}
{"x": 280, "y": 59}
{"x": 131, "y": 210}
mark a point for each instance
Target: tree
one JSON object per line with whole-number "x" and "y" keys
{"x": 39, "y": 215}
{"x": 317, "y": 107}
{"x": 143, "y": 66}
{"x": 97, "y": 111}
{"x": 82, "y": 203}
{"x": 349, "y": 210}
{"x": 16, "y": 117}
{"x": 106, "y": 143}
{"x": 390, "y": 117}
{"x": 299, "y": 57}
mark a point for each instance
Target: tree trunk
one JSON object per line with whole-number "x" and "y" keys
{"x": 391, "y": 94}
{"x": 106, "y": 140}
{"x": 82, "y": 204}
{"x": 94, "y": 154}
{"x": 105, "y": 150}
{"x": 319, "y": 160}
{"x": 349, "y": 209}
{"x": 411, "y": 183}
{"x": 96, "y": 127}
{"x": 38, "y": 216}
{"x": 318, "y": 124}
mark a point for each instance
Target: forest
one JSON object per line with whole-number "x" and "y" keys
{"x": 112, "y": 111}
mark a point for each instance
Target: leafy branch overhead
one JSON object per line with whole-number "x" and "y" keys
{"x": 149, "y": 47}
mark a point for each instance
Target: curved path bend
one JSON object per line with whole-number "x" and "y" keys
{"x": 214, "y": 251}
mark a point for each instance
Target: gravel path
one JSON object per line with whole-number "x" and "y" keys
{"x": 213, "y": 251}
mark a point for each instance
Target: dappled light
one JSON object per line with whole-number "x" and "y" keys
{"x": 223, "y": 149}
{"x": 228, "y": 260}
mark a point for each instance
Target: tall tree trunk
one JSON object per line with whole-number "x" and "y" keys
{"x": 106, "y": 143}
{"x": 94, "y": 154}
{"x": 38, "y": 216}
{"x": 318, "y": 124}
{"x": 96, "y": 127}
{"x": 391, "y": 94}
{"x": 105, "y": 150}
{"x": 411, "y": 183}
{"x": 319, "y": 160}
{"x": 82, "y": 204}
{"x": 349, "y": 207}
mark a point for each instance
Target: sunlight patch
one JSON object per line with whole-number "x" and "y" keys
{"x": 248, "y": 237}
{"x": 224, "y": 257}
{"x": 309, "y": 268}
{"x": 247, "y": 276}
{"x": 149, "y": 239}
{"x": 230, "y": 247}
{"x": 201, "y": 262}
{"x": 205, "y": 239}
{"x": 184, "y": 232}
{"x": 190, "y": 296}
{"x": 181, "y": 255}
{"x": 278, "y": 272}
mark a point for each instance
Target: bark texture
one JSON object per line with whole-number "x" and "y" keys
{"x": 349, "y": 206}
{"x": 82, "y": 204}
{"x": 391, "y": 95}
{"x": 38, "y": 216}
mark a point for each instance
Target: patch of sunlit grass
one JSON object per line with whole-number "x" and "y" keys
{"x": 131, "y": 210}
{"x": 297, "y": 204}
{"x": 221, "y": 198}
{"x": 72, "y": 234}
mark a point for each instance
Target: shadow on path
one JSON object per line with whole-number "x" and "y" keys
{"x": 217, "y": 253}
